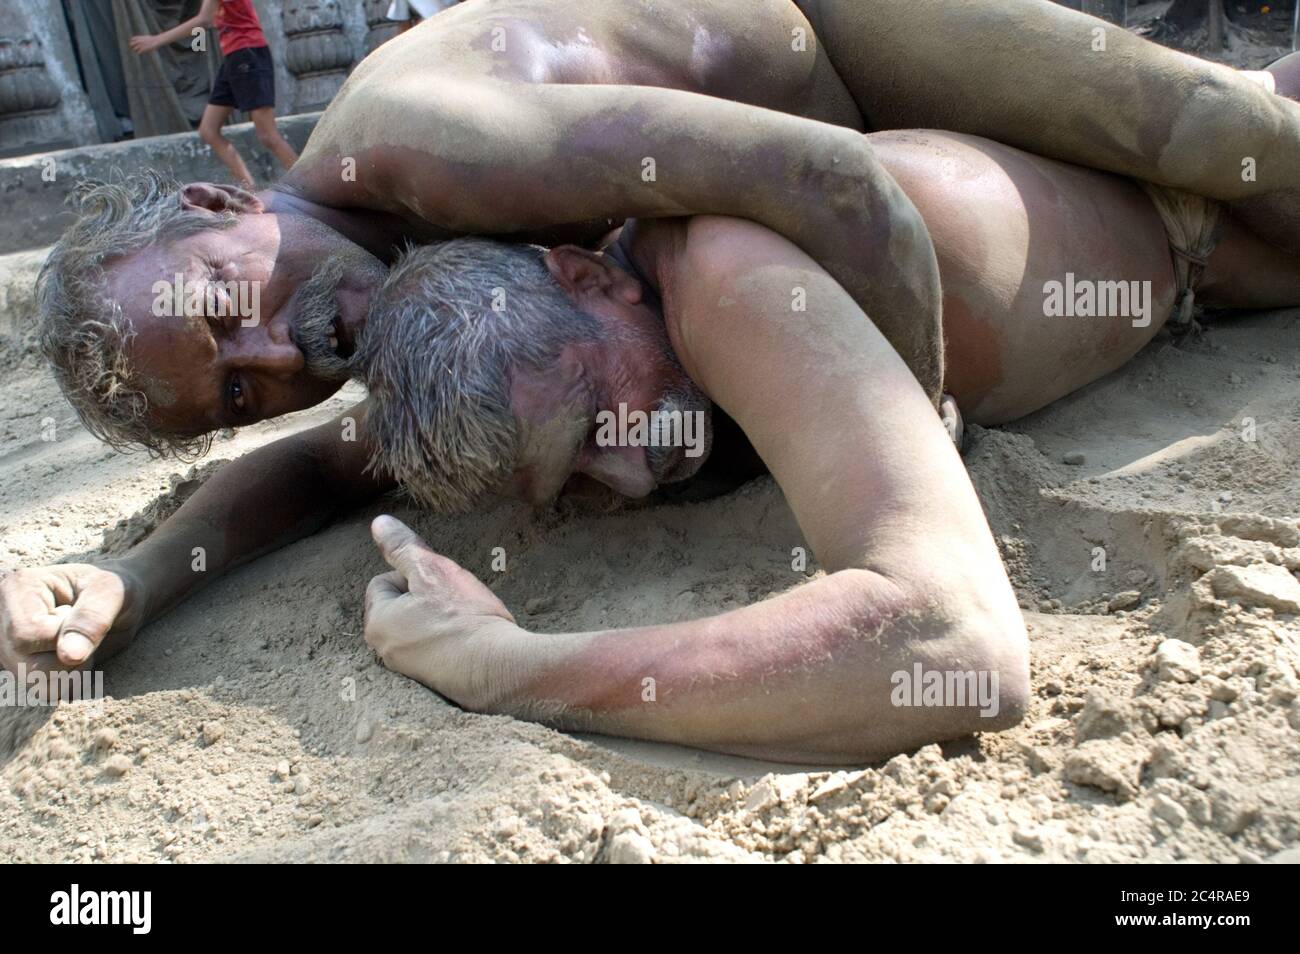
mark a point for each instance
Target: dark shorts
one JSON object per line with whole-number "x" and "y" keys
{"x": 246, "y": 80}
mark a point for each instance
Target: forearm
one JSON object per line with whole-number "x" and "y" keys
{"x": 820, "y": 186}
{"x": 806, "y": 676}
{"x": 252, "y": 505}
{"x": 182, "y": 30}
{"x": 558, "y": 155}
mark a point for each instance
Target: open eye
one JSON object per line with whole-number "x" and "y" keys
{"x": 237, "y": 399}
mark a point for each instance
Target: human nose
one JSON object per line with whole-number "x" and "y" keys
{"x": 624, "y": 469}
{"x": 269, "y": 351}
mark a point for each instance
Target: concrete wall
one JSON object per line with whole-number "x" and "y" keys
{"x": 33, "y": 189}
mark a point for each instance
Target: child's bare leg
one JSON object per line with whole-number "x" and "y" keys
{"x": 1058, "y": 83}
{"x": 214, "y": 117}
{"x": 269, "y": 136}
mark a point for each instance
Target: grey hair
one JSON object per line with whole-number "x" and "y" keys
{"x": 441, "y": 340}
{"x": 84, "y": 334}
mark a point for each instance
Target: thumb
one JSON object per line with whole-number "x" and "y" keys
{"x": 97, "y": 601}
{"x": 400, "y": 546}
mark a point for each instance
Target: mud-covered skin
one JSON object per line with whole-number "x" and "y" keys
{"x": 1003, "y": 221}
{"x": 534, "y": 119}
{"x": 802, "y": 676}
{"x": 826, "y": 403}
{"x": 1004, "y": 224}
{"x": 1028, "y": 73}
{"x": 547, "y": 139}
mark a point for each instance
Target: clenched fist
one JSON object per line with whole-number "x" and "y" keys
{"x": 55, "y": 617}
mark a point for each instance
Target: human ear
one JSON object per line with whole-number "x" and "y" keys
{"x": 577, "y": 269}
{"x": 219, "y": 198}
{"x": 582, "y": 270}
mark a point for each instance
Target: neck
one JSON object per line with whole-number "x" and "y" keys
{"x": 651, "y": 247}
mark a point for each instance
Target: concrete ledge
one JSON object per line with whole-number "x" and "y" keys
{"x": 32, "y": 209}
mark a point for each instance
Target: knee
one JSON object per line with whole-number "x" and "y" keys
{"x": 1225, "y": 107}
{"x": 211, "y": 135}
{"x": 268, "y": 136}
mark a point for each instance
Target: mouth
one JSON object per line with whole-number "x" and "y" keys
{"x": 325, "y": 325}
{"x": 341, "y": 340}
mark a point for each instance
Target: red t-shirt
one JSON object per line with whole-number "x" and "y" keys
{"x": 237, "y": 26}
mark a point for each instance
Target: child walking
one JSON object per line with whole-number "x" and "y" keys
{"x": 246, "y": 80}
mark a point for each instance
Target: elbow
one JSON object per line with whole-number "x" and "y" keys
{"x": 860, "y": 190}
{"x": 1004, "y": 654}
{"x": 982, "y": 655}
{"x": 941, "y": 667}
{"x": 979, "y": 652}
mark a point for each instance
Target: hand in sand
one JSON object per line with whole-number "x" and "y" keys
{"x": 55, "y": 617}
{"x": 431, "y": 619}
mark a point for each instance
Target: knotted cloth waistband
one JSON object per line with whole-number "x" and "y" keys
{"x": 1193, "y": 225}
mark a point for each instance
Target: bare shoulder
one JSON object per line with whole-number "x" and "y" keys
{"x": 734, "y": 282}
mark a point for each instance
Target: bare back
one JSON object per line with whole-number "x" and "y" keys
{"x": 1028, "y": 73}
{"x": 760, "y": 53}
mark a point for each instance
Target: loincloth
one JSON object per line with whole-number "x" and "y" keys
{"x": 1193, "y": 225}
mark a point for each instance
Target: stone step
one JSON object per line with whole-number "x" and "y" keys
{"x": 34, "y": 188}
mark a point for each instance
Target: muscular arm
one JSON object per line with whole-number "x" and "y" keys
{"x": 264, "y": 500}
{"x": 913, "y": 575}
{"x": 525, "y": 160}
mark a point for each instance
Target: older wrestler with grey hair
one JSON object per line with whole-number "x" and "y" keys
{"x": 494, "y": 368}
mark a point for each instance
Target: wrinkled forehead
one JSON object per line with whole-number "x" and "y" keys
{"x": 135, "y": 280}
{"x": 167, "y": 351}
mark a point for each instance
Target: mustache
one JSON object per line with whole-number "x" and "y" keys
{"x": 314, "y": 322}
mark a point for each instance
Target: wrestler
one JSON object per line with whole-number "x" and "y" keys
{"x": 913, "y": 575}
{"x": 538, "y": 119}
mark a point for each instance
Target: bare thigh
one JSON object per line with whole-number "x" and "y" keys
{"x": 1029, "y": 73}
{"x": 1005, "y": 225}
{"x": 213, "y": 118}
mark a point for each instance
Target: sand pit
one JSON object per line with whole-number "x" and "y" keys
{"x": 252, "y": 723}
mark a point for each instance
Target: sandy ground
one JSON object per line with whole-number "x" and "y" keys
{"x": 253, "y": 724}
